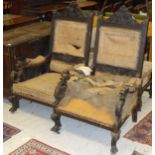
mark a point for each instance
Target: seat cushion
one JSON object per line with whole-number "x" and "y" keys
{"x": 40, "y": 88}
{"x": 147, "y": 72}
{"x": 82, "y": 109}
{"x": 86, "y": 100}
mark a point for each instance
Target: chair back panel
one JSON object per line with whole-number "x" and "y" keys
{"x": 71, "y": 35}
{"x": 120, "y": 44}
{"x": 118, "y": 47}
{"x": 70, "y": 38}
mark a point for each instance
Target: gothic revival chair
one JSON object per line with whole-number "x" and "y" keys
{"x": 69, "y": 45}
{"x": 113, "y": 93}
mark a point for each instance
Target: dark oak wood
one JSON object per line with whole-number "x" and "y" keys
{"x": 27, "y": 41}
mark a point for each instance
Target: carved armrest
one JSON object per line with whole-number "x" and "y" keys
{"x": 37, "y": 61}
{"x": 20, "y": 66}
{"x": 134, "y": 83}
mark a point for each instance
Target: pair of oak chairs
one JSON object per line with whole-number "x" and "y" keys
{"x": 102, "y": 87}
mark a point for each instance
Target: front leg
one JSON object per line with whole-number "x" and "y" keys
{"x": 57, "y": 124}
{"x": 15, "y": 104}
{"x": 115, "y": 137}
{"x": 59, "y": 94}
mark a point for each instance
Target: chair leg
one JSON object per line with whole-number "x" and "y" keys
{"x": 150, "y": 90}
{"x": 139, "y": 104}
{"x": 115, "y": 137}
{"x": 15, "y": 104}
{"x": 134, "y": 114}
{"x": 56, "y": 118}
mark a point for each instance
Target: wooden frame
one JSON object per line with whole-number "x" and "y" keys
{"x": 122, "y": 18}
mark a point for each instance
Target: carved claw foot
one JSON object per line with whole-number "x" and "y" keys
{"x": 13, "y": 109}
{"x": 56, "y": 118}
{"x": 114, "y": 150}
{"x": 115, "y": 137}
{"x": 15, "y": 104}
{"x": 56, "y": 129}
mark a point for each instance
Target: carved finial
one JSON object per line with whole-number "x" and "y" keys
{"x": 122, "y": 16}
{"x": 72, "y": 10}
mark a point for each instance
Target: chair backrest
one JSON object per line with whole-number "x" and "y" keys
{"x": 120, "y": 43}
{"x": 71, "y": 35}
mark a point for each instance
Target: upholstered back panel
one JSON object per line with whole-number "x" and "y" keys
{"x": 70, "y": 37}
{"x": 118, "y": 47}
{"x": 120, "y": 44}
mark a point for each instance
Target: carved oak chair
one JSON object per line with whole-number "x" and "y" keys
{"x": 107, "y": 98}
{"x": 69, "y": 45}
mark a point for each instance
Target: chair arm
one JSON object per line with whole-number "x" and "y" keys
{"x": 20, "y": 66}
{"x": 134, "y": 83}
{"x": 34, "y": 62}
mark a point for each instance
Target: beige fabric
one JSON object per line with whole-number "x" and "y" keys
{"x": 110, "y": 76}
{"x": 100, "y": 96}
{"x": 82, "y": 109}
{"x": 60, "y": 66}
{"x": 147, "y": 71}
{"x": 69, "y": 37}
{"x": 118, "y": 47}
{"x": 35, "y": 61}
{"x": 40, "y": 88}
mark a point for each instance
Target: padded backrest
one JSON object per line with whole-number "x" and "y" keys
{"x": 71, "y": 35}
{"x": 120, "y": 44}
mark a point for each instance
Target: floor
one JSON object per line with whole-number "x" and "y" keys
{"x": 76, "y": 138}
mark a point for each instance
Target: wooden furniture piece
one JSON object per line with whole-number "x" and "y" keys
{"x": 69, "y": 45}
{"x": 26, "y": 41}
{"x": 45, "y": 11}
{"x": 19, "y": 5}
{"x": 12, "y": 21}
{"x": 113, "y": 93}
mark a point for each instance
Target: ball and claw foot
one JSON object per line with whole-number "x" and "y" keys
{"x": 13, "y": 109}
{"x": 114, "y": 150}
{"x": 56, "y": 129}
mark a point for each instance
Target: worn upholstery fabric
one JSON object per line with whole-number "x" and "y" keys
{"x": 70, "y": 37}
{"x": 32, "y": 62}
{"x": 95, "y": 99}
{"x": 60, "y": 66}
{"x": 118, "y": 47}
{"x": 40, "y": 88}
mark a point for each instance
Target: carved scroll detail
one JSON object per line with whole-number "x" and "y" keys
{"x": 72, "y": 11}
